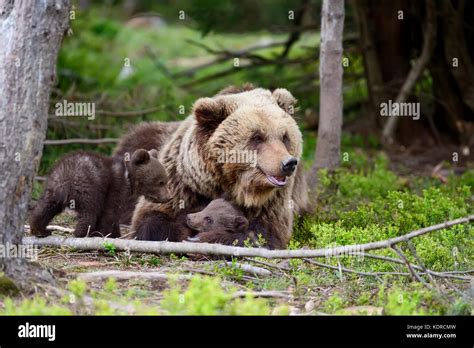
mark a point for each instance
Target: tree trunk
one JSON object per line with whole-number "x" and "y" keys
{"x": 429, "y": 42}
{"x": 330, "y": 71}
{"x": 373, "y": 72}
{"x": 30, "y": 37}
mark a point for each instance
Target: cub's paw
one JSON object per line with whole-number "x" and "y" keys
{"x": 40, "y": 232}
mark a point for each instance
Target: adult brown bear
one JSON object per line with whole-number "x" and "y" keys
{"x": 244, "y": 143}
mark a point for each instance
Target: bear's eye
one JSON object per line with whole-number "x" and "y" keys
{"x": 256, "y": 138}
{"x": 286, "y": 139}
{"x": 161, "y": 183}
{"x": 208, "y": 219}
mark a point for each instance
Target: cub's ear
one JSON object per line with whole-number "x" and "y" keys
{"x": 153, "y": 153}
{"x": 140, "y": 156}
{"x": 210, "y": 112}
{"x": 241, "y": 224}
{"x": 285, "y": 100}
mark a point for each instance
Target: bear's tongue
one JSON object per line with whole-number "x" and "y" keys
{"x": 277, "y": 180}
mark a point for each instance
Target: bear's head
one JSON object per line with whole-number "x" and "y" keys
{"x": 219, "y": 215}
{"x": 251, "y": 142}
{"x": 148, "y": 176}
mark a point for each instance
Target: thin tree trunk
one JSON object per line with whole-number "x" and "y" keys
{"x": 429, "y": 41}
{"x": 372, "y": 68}
{"x": 30, "y": 37}
{"x": 330, "y": 72}
{"x": 455, "y": 47}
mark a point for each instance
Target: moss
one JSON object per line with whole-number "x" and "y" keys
{"x": 7, "y": 286}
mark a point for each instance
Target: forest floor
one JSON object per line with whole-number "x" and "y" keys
{"x": 363, "y": 202}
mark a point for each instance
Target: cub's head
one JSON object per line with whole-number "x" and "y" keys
{"x": 148, "y": 176}
{"x": 220, "y": 215}
{"x": 253, "y": 141}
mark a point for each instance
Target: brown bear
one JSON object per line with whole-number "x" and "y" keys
{"x": 243, "y": 142}
{"x": 100, "y": 189}
{"x": 220, "y": 222}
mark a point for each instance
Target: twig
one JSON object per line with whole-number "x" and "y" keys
{"x": 54, "y": 228}
{"x": 225, "y": 55}
{"x": 81, "y": 141}
{"x": 217, "y": 249}
{"x": 259, "y": 271}
{"x": 233, "y": 70}
{"x": 422, "y": 265}
{"x": 262, "y": 294}
{"x": 87, "y": 125}
{"x": 445, "y": 274}
{"x": 268, "y": 264}
{"x": 456, "y": 290}
{"x": 410, "y": 268}
{"x": 340, "y": 268}
{"x": 126, "y": 275}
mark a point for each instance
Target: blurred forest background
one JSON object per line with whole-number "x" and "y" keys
{"x": 148, "y": 56}
{"x": 150, "y": 60}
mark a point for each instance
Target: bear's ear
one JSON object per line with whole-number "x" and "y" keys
{"x": 285, "y": 100}
{"x": 209, "y": 112}
{"x": 140, "y": 156}
{"x": 153, "y": 153}
{"x": 241, "y": 224}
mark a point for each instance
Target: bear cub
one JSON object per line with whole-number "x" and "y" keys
{"x": 219, "y": 222}
{"x": 98, "y": 188}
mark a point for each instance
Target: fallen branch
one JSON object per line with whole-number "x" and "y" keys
{"x": 271, "y": 265}
{"x": 81, "y": 141}
{"x": 350, "y": 270}
{"x": 377, "y": 274}
{"x": 127, "y": 275}
{"x": 54, "y": 228}
{"x": 225, "y": 250}
{"x": 445, "y": 274}
{"x": 410, "y": 268}
{"x": 258, "y": 271}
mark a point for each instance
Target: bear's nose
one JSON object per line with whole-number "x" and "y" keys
{"x": 288, "y": 165}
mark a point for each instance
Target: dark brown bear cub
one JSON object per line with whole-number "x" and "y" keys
{"x": 99, "y": 189}
{"x": 220, "y": 222}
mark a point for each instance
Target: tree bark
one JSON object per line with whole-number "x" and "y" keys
{"x": 455, "y": 46}
{"x": 30, "y": 37}
{"x": 330, "y": 72}
{"x": 429, "y": 43}
{"x": 373, "y": 72}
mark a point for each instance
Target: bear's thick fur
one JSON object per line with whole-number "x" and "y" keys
{"x": 203, "y": 157}
{"x": 100, "y": 189}
{"x": 220, "y": 222}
